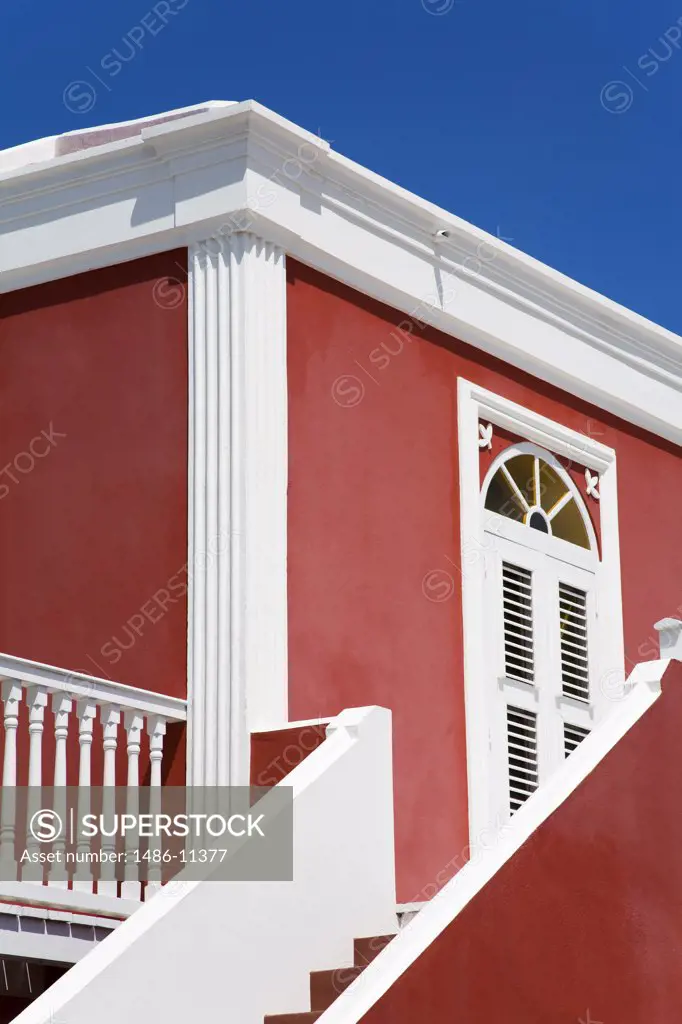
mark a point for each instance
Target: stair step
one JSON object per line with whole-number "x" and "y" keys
{"x": 365, "y": 950}
{"x": 325, "y": 986}
{"x": 306, "y": 1017}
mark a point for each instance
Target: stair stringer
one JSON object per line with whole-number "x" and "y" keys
{"x": 237, "y": 951}
{"x": 641, "y": 690}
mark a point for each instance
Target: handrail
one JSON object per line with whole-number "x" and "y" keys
{"x": 101, "y": 691}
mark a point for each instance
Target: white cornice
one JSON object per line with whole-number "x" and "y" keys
{"x": 180, "y": 181}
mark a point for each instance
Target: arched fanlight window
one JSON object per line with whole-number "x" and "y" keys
{"x": 531, "y": 487}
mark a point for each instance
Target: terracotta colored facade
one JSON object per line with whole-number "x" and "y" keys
{"x": 374, "y": 548}
{"x": 576, "y": 907}
{"x": 93, "y": 514}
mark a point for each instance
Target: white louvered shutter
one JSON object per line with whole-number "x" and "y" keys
{"x": 522, "y": 755}
{"x": 517, "y": 604}
{"x": 575, "y": 677}
{"x": 541, "y": 690}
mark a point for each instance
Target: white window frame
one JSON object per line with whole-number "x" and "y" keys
{"x": 476, "y": 405}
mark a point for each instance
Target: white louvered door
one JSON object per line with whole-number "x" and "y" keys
{"x": 541, "y": 616}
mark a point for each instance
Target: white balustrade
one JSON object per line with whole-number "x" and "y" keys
{"x": 85, "y": 714}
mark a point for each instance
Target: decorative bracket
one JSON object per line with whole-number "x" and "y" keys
{"x": 485, "y": 439}
{"x": 592, "y": 481}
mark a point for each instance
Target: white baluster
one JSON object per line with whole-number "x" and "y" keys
{"x": 86, "y": 712}
{"x": 82, "y": 879}
{"x": 11, "y": 695}
{"x": 133, "y": 724}
{"x": 156, "y": 730}
{"x": 111, "y": 718}
{"x": 61, "y": 709}
{"x": 36, "y": 699}
{"x": 130, "y": 887}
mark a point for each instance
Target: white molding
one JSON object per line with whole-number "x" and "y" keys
{"x": 540, "y": 430}
{"x": 50, "y": 898}
{"x": 186, "y": 179}
{"x": 237, "y": 625}
{"x": 474, "y": 404}
{"x": 48, "y": 913}
{"x": 81, "y": 686}
{"x": 36, "y": 938}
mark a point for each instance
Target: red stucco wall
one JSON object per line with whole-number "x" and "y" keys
{"x": 93, "y": 493}
{"x": 374, "y": 598}
{"x": 584, "y": 923}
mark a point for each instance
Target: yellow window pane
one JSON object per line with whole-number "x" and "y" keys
{"x": 552, "y": 487}
{"x": 501, "y": 498}
{"x": 568, "y": 525}
{"x": 522, "y": 469}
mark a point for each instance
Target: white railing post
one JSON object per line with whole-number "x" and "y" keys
{"x": 12, "y": 692}
{"x": 61, "y": 709}
{"x": 11, "y": 696}
{"x": 87, "y": 710}
{"x": 130, "y": 887}
{"x": 36, "y": 699}
{"x": 111, "y": 718}
{"x": 156, "y": 730}
{"x": 670, "y": 638}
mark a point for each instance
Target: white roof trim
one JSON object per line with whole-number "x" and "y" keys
{"x": 212, "y": 172}
{"x": 41, "y": 151}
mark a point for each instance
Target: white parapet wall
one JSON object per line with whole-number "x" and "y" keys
{"x": 235, "y": 951}
{"x": 637, "y": 695}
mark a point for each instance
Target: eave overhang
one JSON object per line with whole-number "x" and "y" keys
{"x": 243, "y": 167}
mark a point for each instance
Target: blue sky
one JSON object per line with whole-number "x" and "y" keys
{"x": 557, "y": 123}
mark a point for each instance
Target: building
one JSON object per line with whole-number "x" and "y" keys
{"x": 285, "y": 445}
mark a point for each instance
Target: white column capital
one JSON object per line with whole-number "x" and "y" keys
{"x": 36, "y": 699}
{"x": 156, "y": 726}
{"x": 110, "y": 715}
{"x": 86, "y": 712}
{"x": 134, "y": 723}
{"x": 12, "y": 692}
{"x": 61, "y": 703}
